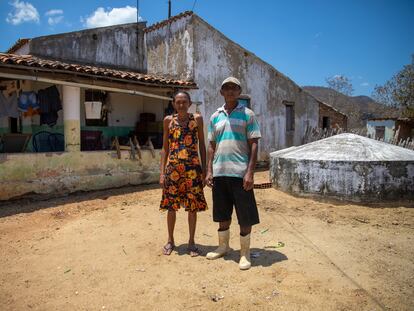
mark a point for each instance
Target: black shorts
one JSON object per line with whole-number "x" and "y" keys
{"x": 228, "y": 191}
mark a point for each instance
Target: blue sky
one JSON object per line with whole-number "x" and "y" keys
{"x": 308, "y": 40}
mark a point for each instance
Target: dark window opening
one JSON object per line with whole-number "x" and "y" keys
{"x": 379, "y": 132}
{"x": 326, "y": 122}
{"x": 290, "y": 117}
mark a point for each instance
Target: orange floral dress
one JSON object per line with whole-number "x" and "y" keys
{"x": 183, "y": 185}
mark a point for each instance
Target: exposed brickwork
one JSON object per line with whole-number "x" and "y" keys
{"x": 336, "y": 118}
{"x": 19, "y": 43}
{"x": 168, "y": 21}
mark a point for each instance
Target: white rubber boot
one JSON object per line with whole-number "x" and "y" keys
{"x": 244, "y": 263}
{"x": 223, "y": 248}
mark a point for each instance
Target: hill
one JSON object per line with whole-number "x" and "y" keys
{"x": 357, "y": 108}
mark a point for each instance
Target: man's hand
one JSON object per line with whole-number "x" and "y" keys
{"x": 209, "y": 179}
{"x": 248, "y": 181}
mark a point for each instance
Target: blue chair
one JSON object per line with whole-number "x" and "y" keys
{"x": 44, "y": 141}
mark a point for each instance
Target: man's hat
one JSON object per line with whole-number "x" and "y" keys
{"x": 231, "y": 80}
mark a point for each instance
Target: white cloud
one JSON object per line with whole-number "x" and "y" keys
{"x": 101, "y": 18}
{"x": 22, "y": 12}
{"x": 364, "y": 84}
{"x": 55, "y": 16}
{"x": 54, "y": 20}
{"x": 54, "y": 12}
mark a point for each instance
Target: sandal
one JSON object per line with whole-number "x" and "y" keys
{"x": 193, "y": 251}
{"x": 168, "y": 248}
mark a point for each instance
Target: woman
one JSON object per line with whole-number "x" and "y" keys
{"x": 182, "y": 174}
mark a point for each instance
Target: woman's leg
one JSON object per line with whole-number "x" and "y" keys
{"x": 192, "y": 221}
{"x": 171, "y": 217}
{"x": 168, "y": 248}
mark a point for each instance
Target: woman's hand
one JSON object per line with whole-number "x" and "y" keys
{"x": 162, "y": 180}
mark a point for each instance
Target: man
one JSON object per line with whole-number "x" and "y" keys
{"x": 232, "y": 153}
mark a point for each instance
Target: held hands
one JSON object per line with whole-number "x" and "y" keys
{"x": 209, "y": 179}
{"x": 248, "y": 181}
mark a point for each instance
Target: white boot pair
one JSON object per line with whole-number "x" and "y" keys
{"x": 223, "y": 249}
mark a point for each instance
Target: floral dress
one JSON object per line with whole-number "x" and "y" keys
{"x": 183, "y": 185}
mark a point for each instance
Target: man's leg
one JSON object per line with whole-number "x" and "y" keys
{"x": 222, "y": 210}
{"x": 224, "y": 225}
{"x": 247, "y": 216}
{"x": 245, "y": 230}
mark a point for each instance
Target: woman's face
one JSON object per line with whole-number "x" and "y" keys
{"x": 181, "y": 103}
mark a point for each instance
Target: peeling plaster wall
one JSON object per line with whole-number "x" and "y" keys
{"x": 114, "y": 46}
{"x": 54, "y": 174}
{"x": 352, "y": 181}
{"x": 189, "y": 48}
{"x": 345, "y": 166}
{"x": 170, "y": 50}
{"x": 217, "y": 57}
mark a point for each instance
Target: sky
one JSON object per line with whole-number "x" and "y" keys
{"x": 368, "y": 41}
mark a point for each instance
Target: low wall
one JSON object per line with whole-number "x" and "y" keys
{"x": 53, "y": 174}
{"x": 349, "y": 181}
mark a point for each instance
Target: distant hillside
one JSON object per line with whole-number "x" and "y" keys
{"x": 357, "y": 108}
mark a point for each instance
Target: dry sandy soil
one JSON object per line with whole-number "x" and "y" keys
{"x": 102, "y": 251}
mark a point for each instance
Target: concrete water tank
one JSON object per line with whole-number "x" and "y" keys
{"x": 346, "y": 166}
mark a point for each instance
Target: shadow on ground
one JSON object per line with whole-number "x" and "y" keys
{"x": 259, "y": 257}
{"x": 38, "y": 202}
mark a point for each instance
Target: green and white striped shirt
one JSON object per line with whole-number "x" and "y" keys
{"x": 230, "y": 133}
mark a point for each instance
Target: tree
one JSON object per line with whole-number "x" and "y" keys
{"x": 399, "y": 90}
{"x": 340, "y": 84}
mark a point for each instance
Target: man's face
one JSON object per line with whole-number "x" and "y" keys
{"x": 230, "y": 92}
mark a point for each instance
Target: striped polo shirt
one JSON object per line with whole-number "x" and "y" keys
{"x": 230, "y": 133}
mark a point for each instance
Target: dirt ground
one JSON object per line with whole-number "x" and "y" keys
{"x": 102, "y": 251}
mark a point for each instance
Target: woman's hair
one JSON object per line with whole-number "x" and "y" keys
{"x": 181, "y": 92}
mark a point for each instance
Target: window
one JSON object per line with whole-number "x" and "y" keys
{"x": 290, "y": 117}
{"x": 379, "y": 132}
{"x": 244, "y": 100}
{"x": 326, "y": 122}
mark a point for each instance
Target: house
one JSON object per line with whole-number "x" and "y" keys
{"x": 329, "y": 117}
{"x": 388, "y": 129}
{"x": 75, "y": 152}
{"x": 187, "y": 47}
{"x": 130, "y": 72}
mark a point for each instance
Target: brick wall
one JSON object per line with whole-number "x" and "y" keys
{"x": 334, "y": 118}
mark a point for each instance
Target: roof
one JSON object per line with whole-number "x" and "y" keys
{"x": 17, "y": 45}
{"x": 346, "y": 148}
{"x": 331, "y": 107}
{"x": 393, "y": 119}
{"x": 25, "y": 61}
{"x": 168, "y": 21}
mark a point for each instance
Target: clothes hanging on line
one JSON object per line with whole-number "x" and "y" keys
{"x": 28, "y": 103}
{"x": 50, "y": 104}
{"x": 8, "y": 105}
